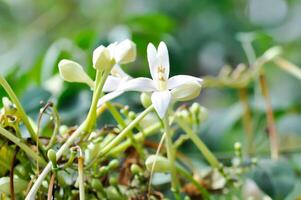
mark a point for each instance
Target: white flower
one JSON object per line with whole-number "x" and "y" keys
{"x": 73, "y": 72}
{"x": 163, "y": 88}
{"x": 113, "y": 84}
{"x": 116, "y": 53}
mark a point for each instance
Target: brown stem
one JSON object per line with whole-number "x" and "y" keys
{"x": 247, "y": 118}
{"x": 51, "y": 186}
{"x": 11, "y": 174}
{"x": 270, "y": 117}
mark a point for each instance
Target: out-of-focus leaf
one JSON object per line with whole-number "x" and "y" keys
{"x": 5, "y": 158}
{"x": 53, "y": 53}
{"x": 275, "y": 178}
{"x": 19, "y": 185}
{"x": 32, "y": 98}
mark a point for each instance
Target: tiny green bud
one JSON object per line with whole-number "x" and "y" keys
{"x": 103, "y": 170}
{"x": 113, "y": 164}
{"x": 52, "y": 157}
{"x": 96, "y": 184}
{"x": 161, "y": 163}
{"x": 237, "y": 146}
{"x": 145, "y": 100}
{"x": 135, "y": 169}
{"x": 113, "y": 181}
{"x": 132, "y": 115}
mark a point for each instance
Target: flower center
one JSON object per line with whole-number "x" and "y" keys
{"x": 161, "y": 78}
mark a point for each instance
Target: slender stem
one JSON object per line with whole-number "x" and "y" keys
{"x": 81, "y": 176}
{"x": 101, "y": 77}
{"x": 188, "y": 176}
{"x": 171, "y": 158}
{"x": 270, "y": 117}
{"x": 250, "y": 53}
{"x": 11, "y": 174}
{"x": 122, "y": 123}
{"x": 199, "y": 144}
{"x": 51, "y": 186}
{"x": 288, "y": 67}
{"x": 56, "y": 127}
{"x": 247, "y": 118}
{"x": 21, "y": 111}
{"x": 106, "y": 149}
{"x": 86, "y": 126}
{"x": 138, "y": 137}
{"x": 22, "y": 146}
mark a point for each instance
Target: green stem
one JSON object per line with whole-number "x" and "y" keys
{"x": 81, "y": 176}
{"x": 22, "y": 146}
{"x": 21, "y": 111}
{"x": 85, "y": 127}
{"x": 171, "y": 158}
{"x": 188, "y": 176}
{"x": 101, "y": 77}
{"x": 56, "y": 127}
{"x": 122, "y": 123}
{"x": 138, "y": 137}
{"x": 288, "y": 67}
{"x": 106, "y": 149}
{"x": 199, "y": 143}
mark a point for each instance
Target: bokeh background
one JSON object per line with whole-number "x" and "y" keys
{"x": 202, "y": 37}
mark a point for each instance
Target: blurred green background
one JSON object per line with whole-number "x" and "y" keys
{"x": 202, "y": 37}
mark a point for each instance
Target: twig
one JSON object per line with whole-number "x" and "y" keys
{"x": 50, "y": 195}
{"x": 11, "y": 174}
{"x": 270, "y": 117}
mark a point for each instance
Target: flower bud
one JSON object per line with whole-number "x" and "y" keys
{"x": 125, "y": 52}
{"x": 52, "y": 157}
{"x": 161, "y": 163}
{"x": 145, "y": 100}
{"x": 135, "y": 169}
{"x": 73, "y": 72}
{"x": 186, "y": 91}
{"x": 102, "y": 58}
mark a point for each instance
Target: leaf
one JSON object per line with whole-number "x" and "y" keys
{"x": 275, "y": 178}
{"x": 19, "y": 185}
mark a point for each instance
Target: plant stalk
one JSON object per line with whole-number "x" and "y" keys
{"x": 199, "y": 144}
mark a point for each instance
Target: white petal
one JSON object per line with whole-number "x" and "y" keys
{"x": 108, "y": 97}
{"x": 125, "y": 52}
{"x": 139, "y": 84}
{"x": 152, "y": 60}
{"x": 163, "y": 58}
{"x": 73, "y": 72}
{"x": 161, "y": 100}
{"x": 179, "y": 80}
{"x": 186, "y": 91}
{"x": 117, "y": 71}
{"x": 101, "y": 57}
{"x": 111, "y": 84}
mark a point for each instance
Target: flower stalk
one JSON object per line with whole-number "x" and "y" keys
{"x": 21, "y": 111}
{"x": 171, "y": 158}
{"x": 199, "y": 143}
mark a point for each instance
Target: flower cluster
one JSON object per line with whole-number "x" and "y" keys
{"x": 163, "y": 89}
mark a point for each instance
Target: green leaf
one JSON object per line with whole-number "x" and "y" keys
{"x": 275, "y": 178}
{"x": 19, "y": 185}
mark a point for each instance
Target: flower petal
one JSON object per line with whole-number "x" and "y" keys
{"x": 118, "y": 72}
{"x": 111, "y": 84}
{"x": 73, "y": 72}
{"x": 152, "y": 60}
{"x": 186, "y": 91}
{"x": 125, "y": 52}
{"x": 108, "y": 97}
{"x": 101, "y": 57}
{"x": 138, "y": 84}
{"x": 163, "y": 58}
{"x": 179, "y": 80}
{"x": 161, "y": 100}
